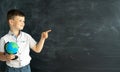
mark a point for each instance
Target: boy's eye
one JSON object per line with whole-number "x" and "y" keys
{"x": 20, "y": 20}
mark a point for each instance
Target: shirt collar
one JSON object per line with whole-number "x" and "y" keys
{"x": 11, "y": 33}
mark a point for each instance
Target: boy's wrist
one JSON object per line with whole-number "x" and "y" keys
{"x": 5, "y": 56}
{"x": 4, "y": 53}
{"x": 42, "y": 39}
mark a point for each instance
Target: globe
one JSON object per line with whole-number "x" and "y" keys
{"x": 11, "y": 47}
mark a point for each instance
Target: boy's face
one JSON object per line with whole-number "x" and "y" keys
{"x": 17, "y": 23}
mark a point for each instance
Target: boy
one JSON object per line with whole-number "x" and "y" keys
{"x": 16, "y": 21}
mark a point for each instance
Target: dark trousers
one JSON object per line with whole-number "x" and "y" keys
{"x": 22, "y": 69}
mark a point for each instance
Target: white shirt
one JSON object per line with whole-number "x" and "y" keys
{"x": 25, "y": 42}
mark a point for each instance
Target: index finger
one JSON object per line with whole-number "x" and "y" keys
{"x": 48, "y": 31}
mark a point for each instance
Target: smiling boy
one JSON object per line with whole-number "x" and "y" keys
{"x": 16, "y": 21}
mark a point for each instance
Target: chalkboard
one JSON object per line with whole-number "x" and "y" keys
{"x": 85, "y": 34}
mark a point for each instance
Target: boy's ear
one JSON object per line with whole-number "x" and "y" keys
{"x": 10, "y": 21}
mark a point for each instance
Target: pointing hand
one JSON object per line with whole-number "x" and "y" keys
{"x": 45, "y": 34}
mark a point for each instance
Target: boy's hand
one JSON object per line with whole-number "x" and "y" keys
{"x": 9, "y": 56}
{"x": 45, "y": 34}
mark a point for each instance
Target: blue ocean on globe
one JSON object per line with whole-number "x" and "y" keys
{"x": 11, "y": 47}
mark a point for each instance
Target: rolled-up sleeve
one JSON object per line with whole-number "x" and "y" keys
{"x": 32, "y": 42}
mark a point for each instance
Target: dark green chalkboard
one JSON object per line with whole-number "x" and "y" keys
{"x": 85, "y": 34}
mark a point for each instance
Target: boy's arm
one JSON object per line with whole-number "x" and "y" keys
{"x": 6, "y": 57}
{"x": 2, "y": 56}
{"x": 37, "y": 48}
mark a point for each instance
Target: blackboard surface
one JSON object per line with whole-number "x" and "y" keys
{"x": 85, "y": 34}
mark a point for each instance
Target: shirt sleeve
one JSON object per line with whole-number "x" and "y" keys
{"x": 32, "y": 42}
{"x": 2, "y": 43}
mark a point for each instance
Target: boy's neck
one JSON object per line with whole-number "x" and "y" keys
{"x": 16, "y": 33}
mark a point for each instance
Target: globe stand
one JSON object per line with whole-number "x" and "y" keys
{"x": 15, "y": 57}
